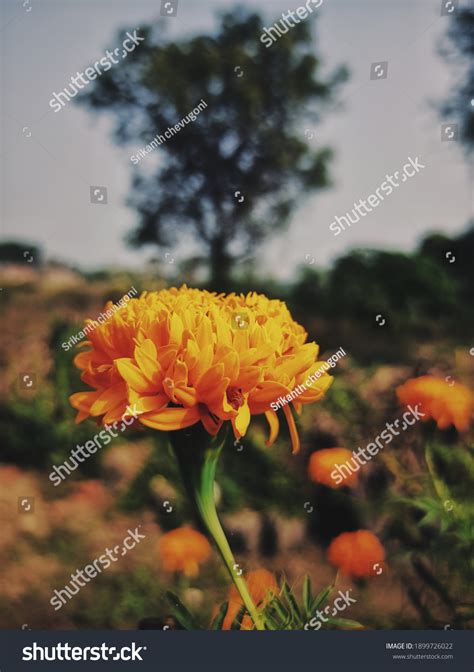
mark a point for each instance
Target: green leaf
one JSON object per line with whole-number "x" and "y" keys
{"x": 345, "y": 623}
{"x": 307, "y": 597}
{"x": 320, "y": 598}
{"x": 219, "y": 619}
{"x": 237, "y": 622}
{"x": 429, "y": 518}
{"x": 283, "y": 613}
{"x": 180, "y": 612}
{"x": 293, "y": 605}
{"x": 271, "y": 620}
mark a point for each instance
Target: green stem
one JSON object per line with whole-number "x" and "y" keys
{"x": 198, "y": 463}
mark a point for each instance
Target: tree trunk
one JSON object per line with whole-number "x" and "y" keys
{"x": 220, "y": 266}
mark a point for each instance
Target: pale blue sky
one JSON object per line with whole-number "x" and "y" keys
{"x": 46, "y": 177}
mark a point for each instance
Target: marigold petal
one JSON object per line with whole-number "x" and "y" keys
{"x": 211, "y": 423}
{"x": 110, "y": 399}
{"x": 204, "y": 333}
{"x": 145, "y": 356}
{"x": 84, "y": 400}
{"x": 134, "y": 376}
{"x": 166, "y": 355}
{"x": 250, "y": 377}
{"x": 210, "y": 379}
{"x": 267, "y": 391}
{"x": 295, "y": 439}
{"x": 176, "y": 328}
{"x": 241, "y": 421}
{"x": 146, "y": 404}
{"x": 186, "y": 396}
{"x": 274, "y": 424}
{"x": 231, "y": 366}
{"x": 83, "y": 360}
{"x": 203, "y": 364}
{"x": 115, "y": 414}
{"x": 171, "y": 419}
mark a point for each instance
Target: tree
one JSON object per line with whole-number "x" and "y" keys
{"x": 13, "y": 252}
{"x": 456, "y": 255}
{"x": 249, "y": 138}
{"x": 460, "y": 105}
{"x": 410, "y": 288}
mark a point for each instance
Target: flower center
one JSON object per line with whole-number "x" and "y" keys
{"x": 168, "y": 382}
{"x": 235, "y": 397}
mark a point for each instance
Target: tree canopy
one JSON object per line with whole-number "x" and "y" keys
{"x": 460, "y": 34}
{"x": 250, "y": 140}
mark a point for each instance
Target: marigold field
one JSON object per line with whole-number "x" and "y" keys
{"x": 398, "y": 533}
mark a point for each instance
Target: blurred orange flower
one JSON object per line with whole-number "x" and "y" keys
{"x": 323, "y": 462}
{"x": 445, "y": 403}
{"x": 183, "y": 550}
{"x": 357, "y": 553}
{"x": 184, "y": 356}
{"x": 262, "y": 585}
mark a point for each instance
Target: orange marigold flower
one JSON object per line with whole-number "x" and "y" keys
{"x": 323, "y": 462}
{"x": 446, "y": 404}
{"x": 357, "y": 553}
{"x": 183, "y": 356}
{"x": 262, "y": 586}
{"x": 183, "y": 550}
